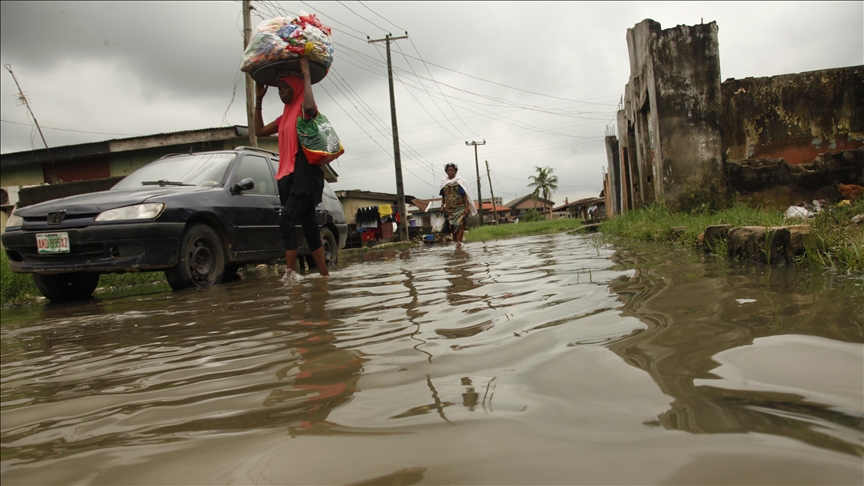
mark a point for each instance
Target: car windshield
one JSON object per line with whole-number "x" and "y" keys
{"x": 196, "y": 170}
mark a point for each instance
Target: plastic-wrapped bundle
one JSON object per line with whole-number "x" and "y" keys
{"x": 277, "y": 43}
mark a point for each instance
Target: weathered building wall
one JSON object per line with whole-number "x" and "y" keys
{"x": 688, "y": 109}
{"x": 670, "y": 125}
{"x": 794, "y": 117}
{"x": 681, "y": 133}
{"x": 775, "y": 184}
{"x": 612, "y": 184}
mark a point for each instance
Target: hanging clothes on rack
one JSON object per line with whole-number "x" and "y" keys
{"x": 367, "y": 217}
{"x": 385, "y": 211}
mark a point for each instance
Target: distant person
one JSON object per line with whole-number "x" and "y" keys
{"x": 456, "y": 200}
{"x": 300, "y": 183}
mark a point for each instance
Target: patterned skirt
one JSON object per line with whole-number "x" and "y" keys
{"x": 454, "y": 204}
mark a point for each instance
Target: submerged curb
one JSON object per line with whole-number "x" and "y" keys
{"x": 761, "y": 244}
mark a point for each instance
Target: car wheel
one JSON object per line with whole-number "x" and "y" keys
{"x": 67, "y": 286}
{"x": 202, "y": 260}
{"x": 331, "y": 252}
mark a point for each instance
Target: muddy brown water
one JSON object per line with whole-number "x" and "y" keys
{"x": 531, "y": 360}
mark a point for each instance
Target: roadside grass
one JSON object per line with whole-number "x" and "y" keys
{"x": 17, "y": 288}
{"x": 492, "y": 232}
{"x": 659, "y": 223}
{"x": 112, "y": 281}
{"x": 836, "y": 242}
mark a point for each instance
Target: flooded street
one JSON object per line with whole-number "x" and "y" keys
{"x": 531, "y": 360}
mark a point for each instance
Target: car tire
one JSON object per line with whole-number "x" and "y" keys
{"x": 65, "y": 287}
{"x": 331, "y": 251}
{"x": 201, "y": 262}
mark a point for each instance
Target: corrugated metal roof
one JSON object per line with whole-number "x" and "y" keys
{"x": 89, "y": 149}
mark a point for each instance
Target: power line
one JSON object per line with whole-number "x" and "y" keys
{"x": 458, "y": 136}
{"x": 334, "y": 20}
{"x": 514, "y": 88}
{"x": 282, "y": 12}
{"x": 236, "y": 78}
{"x": 499, "y": 101}
{"x": 376, "y": 13}
{"x": 411, "y": 152}
{"x": 77, "y": 131}
{"x": 439, "y": 89}
{"x": 355, "y": 13}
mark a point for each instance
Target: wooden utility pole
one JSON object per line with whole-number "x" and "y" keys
{"x": 400, "y": 189}
{"x": 477, "y": 167}
{"x": 494, "y": 206}
{"x": 250, "y": 84}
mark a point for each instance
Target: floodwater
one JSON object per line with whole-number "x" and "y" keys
{"x": 531, "y": 360}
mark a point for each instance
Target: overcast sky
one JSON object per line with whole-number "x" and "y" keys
{"x": 540, "y": 82}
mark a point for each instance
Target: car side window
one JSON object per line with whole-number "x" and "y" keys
{"x": 274, "y": 163}
{"x": 255, "y": 168}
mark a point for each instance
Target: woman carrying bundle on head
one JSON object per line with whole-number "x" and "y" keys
{"x": 300, "y": 183}
{"x": 456, "y": 201}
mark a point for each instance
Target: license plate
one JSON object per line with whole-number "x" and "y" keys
{"x": 52, "y": 243}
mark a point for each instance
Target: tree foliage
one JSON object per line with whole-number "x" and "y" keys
{"x": 544, "y": 183}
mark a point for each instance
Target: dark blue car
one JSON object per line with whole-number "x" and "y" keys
{"x": 198, "y": 217}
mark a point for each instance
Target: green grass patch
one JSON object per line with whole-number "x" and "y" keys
{"x": 15, "y": 288}
{"x": 836, "y": 242}
{"x": 659, "y": 223}
{"x": 492, "y": 232}
{"x": 110, "y": 281}
{"x": 18, "y": 288}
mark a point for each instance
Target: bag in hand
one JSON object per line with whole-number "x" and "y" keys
{"x": 438, "y": 226}
{"x": 319, "y": 140}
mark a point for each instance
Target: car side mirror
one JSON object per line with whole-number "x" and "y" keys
{"x": 244, "y": 185}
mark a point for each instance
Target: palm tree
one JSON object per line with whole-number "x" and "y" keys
{"x": 543, "y": 183}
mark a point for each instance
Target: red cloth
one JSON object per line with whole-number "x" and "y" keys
{"x": 288, "y": 127}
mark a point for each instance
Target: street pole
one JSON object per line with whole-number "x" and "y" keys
{"x": 494, "y": 206}
{"x": 477, "y": 167}
{"x": 250, "y": 84}
{"x": 400, "y": 189}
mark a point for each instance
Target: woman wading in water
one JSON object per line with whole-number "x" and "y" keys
{"x": 300, "y": 183}
{"x": 456, "y": 202}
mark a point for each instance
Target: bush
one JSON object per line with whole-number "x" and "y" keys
{"x": 531, "y": 216}
{"x": 709, "y": 194}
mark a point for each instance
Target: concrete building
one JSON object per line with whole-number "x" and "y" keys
{"x": 355, "y": 199}
{"x": 682, "y": 135}
{"x": 669, "y": 128}
{"x": 518, "y": 207}
{"x": 423, "y": 212}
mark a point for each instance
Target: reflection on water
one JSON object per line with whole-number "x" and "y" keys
{"x": 531, "y": 360}
{"x": 697, "y": 313}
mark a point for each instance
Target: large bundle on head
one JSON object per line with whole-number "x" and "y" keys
{"x": 277, "y": 44}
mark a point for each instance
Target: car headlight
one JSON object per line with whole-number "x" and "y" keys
{"x": 14, "y": 221}
{"x": 139, "y": 211}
